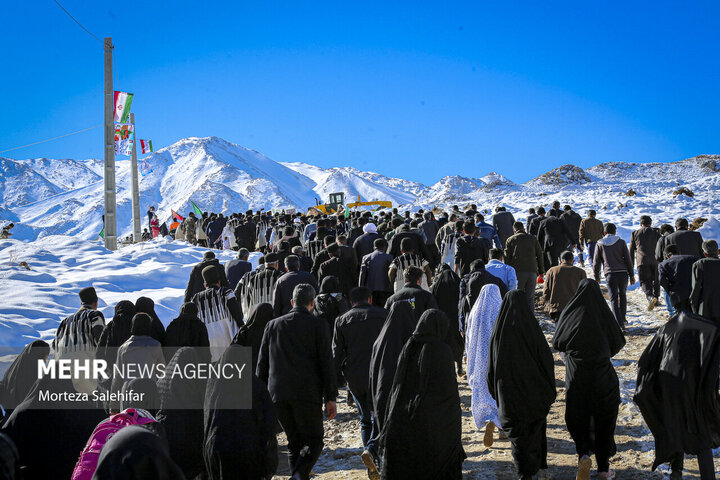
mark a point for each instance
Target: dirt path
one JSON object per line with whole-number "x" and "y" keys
{"x": 340, "y": 458}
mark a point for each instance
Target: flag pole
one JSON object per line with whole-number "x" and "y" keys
{"x": 134, "y": 185}
{"x": 110, "y": 226}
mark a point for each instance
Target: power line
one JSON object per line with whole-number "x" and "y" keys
{"x": 50, "y": 139}
{"x": 81, "y": 25}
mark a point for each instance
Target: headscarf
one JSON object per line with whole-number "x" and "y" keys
{"x": 398, "y": 328}
{"x": 116, "y": 332}
{"x": 135, "y": 453}
{"x": 181, "y": 411}
{"x": 147, "y": 305}
{"x": 22, "y": 374}
{"x": 330, "y": 284}
{"x": 587, "y": 329}
{"x": 250, "y": 334}
{"x": 520, "y": 365}
{"x": 422, "y": 435}
{"x": 148, "y": 396}
{"x": 481, "y": 321}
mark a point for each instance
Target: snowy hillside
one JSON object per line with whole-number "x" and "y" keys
{"x": 48, "y": 197}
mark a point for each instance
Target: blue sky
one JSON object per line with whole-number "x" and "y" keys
{"x": 418, "y": 90}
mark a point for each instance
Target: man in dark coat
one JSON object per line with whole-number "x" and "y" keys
{"x": 705, "y": 295}
{"x": 353, "y": 339}
{"x": 348, "y": 254}
{"x": 290, "y": 237}
{"x": 412, "y": 293}
{"x": 323, "y": 255}
{"x": 531, "y": 216}
{"x": 503, "y": 222}
{"x": 572, "y": 221}
{"x": 196, "y": 283}
{"x": 470, "y": 286}
{"x": 187, "y": 330}
{"x": 677, "y": 392}
{"x": 214, "y": 230}
{"x": 470, "y": 248}
{"x": 296, "y": 364}
{"x": 642, "y": 249}
{"x": 338, "y": 267}
{"x": 534, "y": 227}
{"x": 245, "y": 234}
{"x": 419, "y": 245}
{"x": 364, "y": 244}
{"x": 236, "y": 269}
{"x": 374, "y": 270}
{"x": 688, "y": 242}
{"x": 284, "y": 287}
{"x": 305, "y": 261}
{"x": 676, "y": 277}
{"x": 430, "y": 227}
{"x": 524, "y": 254}
{"x": 589, "y": 336}
{"x": 555, "y": 238}
{"x": 520, "y": 368}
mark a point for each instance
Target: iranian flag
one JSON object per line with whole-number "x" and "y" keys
{"x": 146, "y": 146}
{"x": 123, "y": 100}
{"x": 176, "y": 216}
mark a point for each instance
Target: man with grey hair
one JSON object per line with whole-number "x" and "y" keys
{"x": 285, "y": 286}
{"x": 296, "y": 364}
{"x": 705, "y": 296}
{"x": 306, "y": 262}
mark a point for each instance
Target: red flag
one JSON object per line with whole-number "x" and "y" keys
{"x": 177, "y": 216}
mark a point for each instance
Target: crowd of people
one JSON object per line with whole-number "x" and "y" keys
{"x": 397, "y": 308}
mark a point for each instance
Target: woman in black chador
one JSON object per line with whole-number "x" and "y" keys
{"x": 589, "y": 335}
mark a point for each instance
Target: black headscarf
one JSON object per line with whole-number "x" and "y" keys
{"x": 181, "y": 413}
{"x": 251, "y": 334}
{"x": 135, "y": 453}
{"x": 330, "y": 284}
{"x": 147, "y": 305}
{"x": 446, "y": 289}
{"x": 141, "y": 324}
{"x": 187, "y": 330}
{"x": 116, "y": 332}
{"x": 49, "y": 440}
{"x": 590, "y": 336}
{"x": 239, "y": 443}
{"x": 22, "y": 375}
{"x": 398, "y": 328}
{"x": 422, "y": 435}
{"x": 521, "y": 376}
{"x": 143, "y": 386}
{"x": 677, "y": 387}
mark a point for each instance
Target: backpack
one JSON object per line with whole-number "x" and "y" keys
{"x": 87, "y": 463}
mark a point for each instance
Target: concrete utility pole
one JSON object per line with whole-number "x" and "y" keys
{"x": 135, "y": 186}
{"x": 110, "y": 227}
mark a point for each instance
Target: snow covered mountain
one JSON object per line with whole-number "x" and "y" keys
{"x": 47, "y": 197}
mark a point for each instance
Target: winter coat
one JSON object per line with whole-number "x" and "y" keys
{"x": 284, "y": 289}
{"x": 374, "y": 271}
{"x": 488, "y": 232}
{"x": 418, "y": 244}
{"x": 503, "y": 223}
{"x": 196, "y": 284}
{"x": 705, "y": 295}
{"x": 554, "y": 236}
{"x": 591, "y": 230}
{"x": 468, "y": 249}
{"x": 561, "y": 284}
{"x": 430, "y": 228}
{"x": 220, "y": 311}
{"x": 676, "y": 277}
{"x": 189, "y": 228}
{"x": 76, "y": 333}
{"x": 353, "y": 338}
{"x": 572, "y": 221}
{"x": 642, "y": 246}
{"x": 688, "y": 243}
{"x": 364, "y": 244}
{"x": 523, "y": 253}
{"x": 612, "y": 255}
{"x": 419, "y": 299}
{"x": 295, "y": 360}
{"x": 535, "y": 224}
{"x": 340, "y": 269}
{"x": 235, "y": 270}
{"x": 397, "y": 270}
{"x": 506, "y": 273}
{"x": 187, "y": 330}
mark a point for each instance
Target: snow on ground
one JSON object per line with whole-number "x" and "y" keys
{"x": 36, "y": 300}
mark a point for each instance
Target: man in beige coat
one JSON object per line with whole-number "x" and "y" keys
{"x": 561, "y": 283}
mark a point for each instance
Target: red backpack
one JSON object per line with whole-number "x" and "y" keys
{"x": 87, "y": 463}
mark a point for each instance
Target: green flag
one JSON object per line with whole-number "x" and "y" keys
{"x": 102, "y": 233}
{"x": 347, "y": 212}
{"x": 197, "y": 210}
